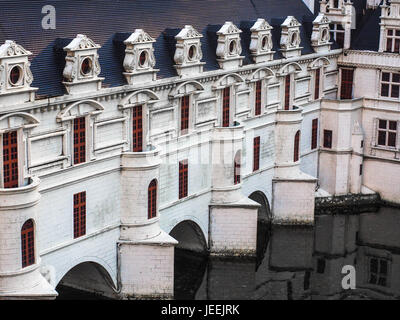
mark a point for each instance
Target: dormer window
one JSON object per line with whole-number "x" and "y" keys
{"x": 229, "y": 47}
{"x": 139, "y": 58}
{"x": 290, "y": 38}
{"x": 393, "y": 40}
{"x": 86, "y": 66}
{"x": 82, "y": 67}
{"x": 188, "y": 52}
{"x": 261, "y": 41}
{"x": 143, "y": 58}
{"x": 16, "y": 76}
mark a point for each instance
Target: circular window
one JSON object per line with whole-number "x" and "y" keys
{"x": 192, "y": 52}
{"x": 143, "y": 58}
{"x": 293, "y": 39}
{"x": 232, "y": 47}
{"x": 15, "y": 75}
{"x": 325, "y": 35}
{"x": 264, "y": 43}
{"x": 86, "y": 66}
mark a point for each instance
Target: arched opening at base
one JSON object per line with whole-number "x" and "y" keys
{"x": 189, "y": 236}
{"x": 86, "y": 281}
{"x": 264, "y": 219}
{"x": 190, "y": 259}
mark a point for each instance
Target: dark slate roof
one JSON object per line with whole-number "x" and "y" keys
{"x": 367, "y": 34}
{"x": 109, "y": 23}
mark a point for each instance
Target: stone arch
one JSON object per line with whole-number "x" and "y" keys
{"x": 321, "y": 62}
{"x": 89, "y": 274}
{"x": 139, "y": 97}
{"x": 228, "y": 80}
{"x": 264, "y": 211}
{"x": 263, "y": 225}
{"x": 18, "y": 120}
{"x": 80, "y": 108}
{"x": 291, "y": 67}
{"x": 186, "y": 88}
{"x": 98, "y": 261}
{"x": 261, "y": 73}
{"x": 190, "y": 236}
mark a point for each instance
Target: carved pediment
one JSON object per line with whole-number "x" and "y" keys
{"x": 11, "y": 49}
{"x": 321, "y": 19}
{"x": 291, "y": 22}
{"x": 228, "y": 28}
{"x": 79, "y": 109}
{"x": 139, "y": 36}
{"x": 188, "y": 32}
{"x": 261, "y": 25}
{"x": 81, "y": 42}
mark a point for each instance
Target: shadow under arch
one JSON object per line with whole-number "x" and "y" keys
{"x": 190, "y": 237}
{"x": 86, "y": 281}
{"x": 264, "y": 212}
{"x": 264, "y": 219}
{"x": 190, "y": 260}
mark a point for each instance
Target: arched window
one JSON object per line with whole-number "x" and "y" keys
{"x": 296, "y": 146}
{"x": 28, "y": 244}
{"x": 236, "y": 177}
{"x": 152, "y": 199}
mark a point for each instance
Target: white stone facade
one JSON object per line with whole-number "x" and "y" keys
{"x": 136, "y": 251}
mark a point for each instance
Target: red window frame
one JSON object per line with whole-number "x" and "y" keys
{"x": 287, "y": 92}
{"x": 28, "y": 243}
{"x": 226, "y": 106}
{"x": 79, "y": 140}
{"x": 257, "y": 110}
{"x": 256, "y": 153}
{"x": 346, "y": 87}
{"x": 328, "y": 139}
{"x": 183, "y": 179}
{"x": 314, "y": 134}
{"x": 137, "y": 128}
{"x": 184, "y": 114}
{"x": 317, "y": 83}
{"x": 236, "y": 168}
{"x": 79, "y": 214}
{"x": 296, "y": 150}
{"x": 10, "y": 159}
{"x": 152, "y": 199}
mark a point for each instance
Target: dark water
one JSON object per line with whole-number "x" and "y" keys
{"x": 295, "y": 263}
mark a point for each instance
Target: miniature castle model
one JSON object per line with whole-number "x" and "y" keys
{"x": 116, "y": 147}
